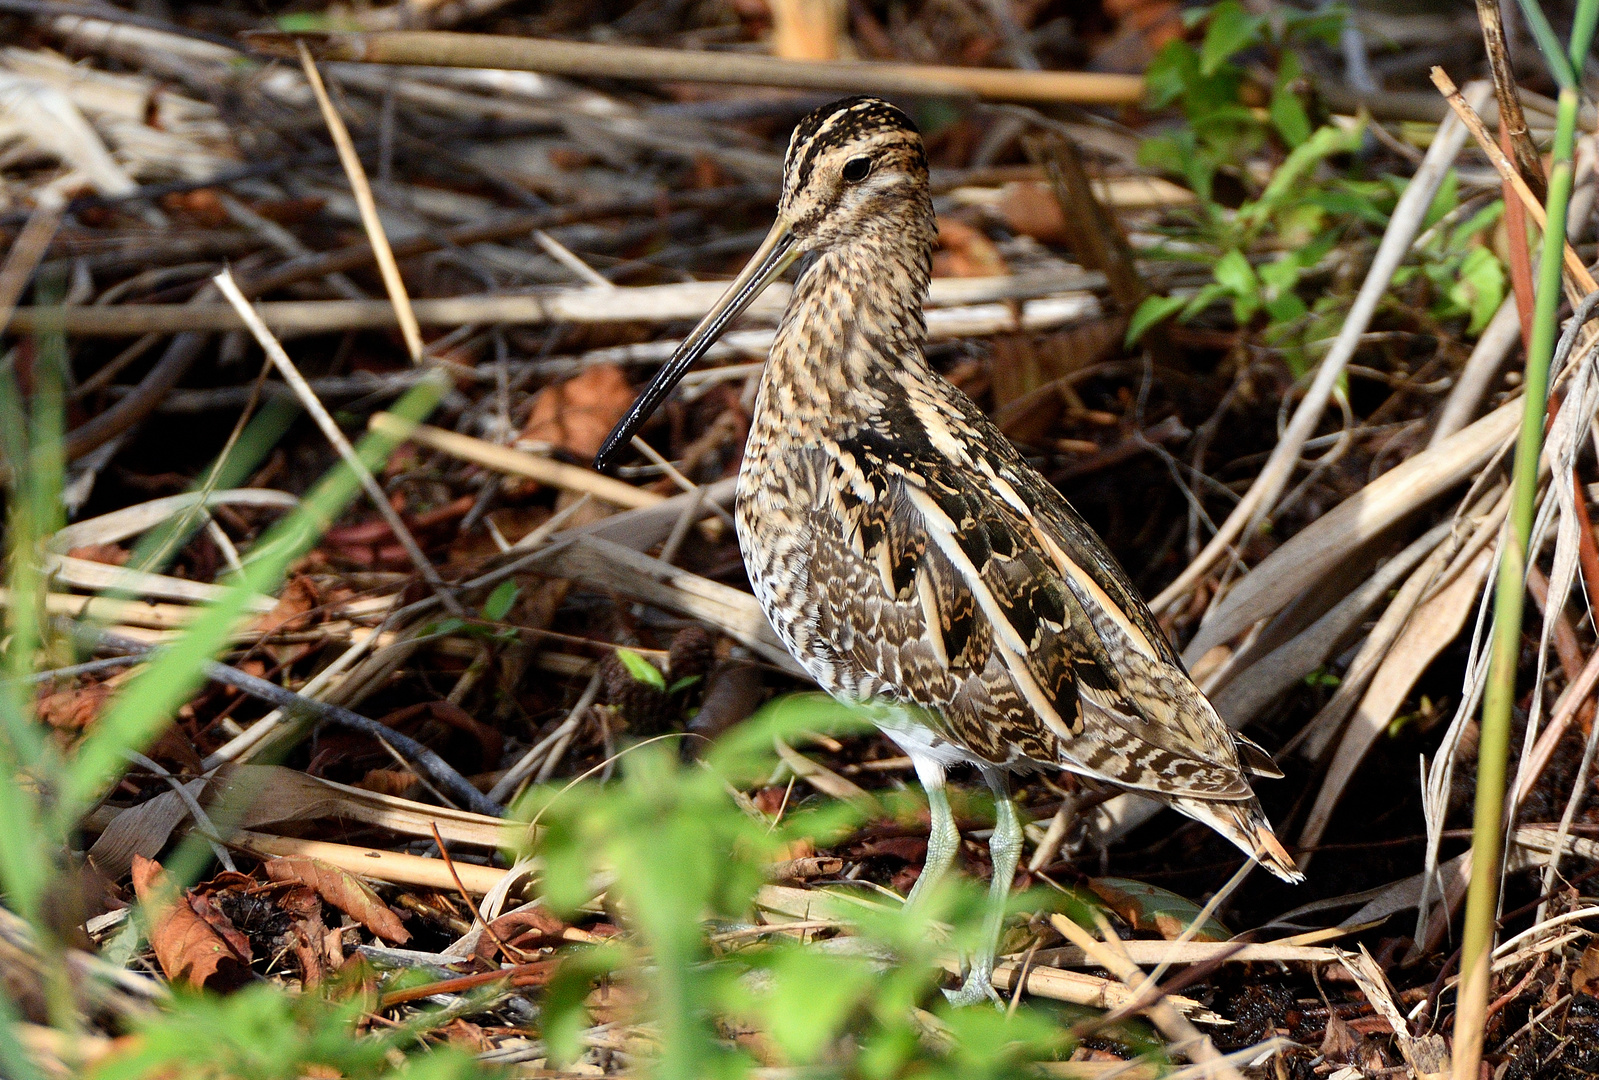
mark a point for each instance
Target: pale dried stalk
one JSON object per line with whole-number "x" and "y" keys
{"x": 330, "y": 430}
{"x": 25, "y": 253}
{"x": 678, "y": 65}
{"x": 369, "y": 209}
{"x": 519, "y": 463}
{"x": 1185, "y": 1038}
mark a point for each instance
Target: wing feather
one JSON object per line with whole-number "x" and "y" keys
{"x": 1016, "y": 630}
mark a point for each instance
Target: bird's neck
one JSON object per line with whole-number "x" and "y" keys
{"x": 854, "y": 319}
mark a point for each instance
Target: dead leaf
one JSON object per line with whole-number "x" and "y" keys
{"x": 203, "y": 206}
{"x": 577, "y": 415}
{"x": 74, "y": 708}
{"x": 188, "y": 948}
{"x": 297, "y": 600}
{"x": 387, "y": 781}
{"x": 1149, "y": 907}
{"x": 1031, "y": 209}
{"x": 1585, "y": 980}
{"x": 344, "y": 891}
{"x": 110, "y": 554}
{"x": 525, "y": 928}
{"x": 965, "y": 252}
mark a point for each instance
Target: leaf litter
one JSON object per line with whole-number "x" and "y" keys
{"x": 588, "y": 628}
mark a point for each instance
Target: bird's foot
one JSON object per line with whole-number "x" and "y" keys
{"x": 978, "y": 988}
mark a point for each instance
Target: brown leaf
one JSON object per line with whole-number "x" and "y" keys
{"x": 74, "y": 708}
{"x": 203, "y": 206}
{"x": 522, "y": 929}
{"x": 965, "y": 252}
{"x": 298, "y": 599}
{"x": 1585, "y": 980}
{"x": 344, "y": 891}
{"x": 577, "y": 415}
{"x": 1031, "y": 209}
{"x": 110, "y": 554}
{"x": 187, "y": 947}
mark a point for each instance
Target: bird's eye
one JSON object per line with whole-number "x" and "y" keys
{"x": 855, "y": 169}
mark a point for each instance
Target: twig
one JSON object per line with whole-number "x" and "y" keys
{"x": 636, "y": 62}
{"x": 1496, "y": 157}
{"x": 23, "y": 258}
{"x": 369, "y": 209}
{"x": 507, "y": 784}
{"x": 330, "y": 430}
{"x": 488, "y": 927}
{"x": 1185, "y": 1038}
{"x": 1511, "y": 118}
{"x": 519, "y": 463}
{"x": 202, "y": 820}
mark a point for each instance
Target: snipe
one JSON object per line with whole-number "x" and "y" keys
{"x": 906, "y": 553}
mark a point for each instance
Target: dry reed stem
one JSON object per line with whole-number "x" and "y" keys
{"x": 642, "y": 63}
{"x": 956, "y": 305}
{"x": 330, "y": 430}
{"x": 518, "y": 462}
{"x": 26, "y": 251}
{"x": 369, "y": 208}
{"x": 1490, "y": 148}
{"x": 1184, "y": 1037}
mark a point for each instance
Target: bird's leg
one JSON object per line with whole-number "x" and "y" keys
{"x": 1004, "y": 849}
{"x": 943, "y": 840}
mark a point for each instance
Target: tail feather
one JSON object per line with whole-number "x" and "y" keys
{"x": 1245, "y": 824}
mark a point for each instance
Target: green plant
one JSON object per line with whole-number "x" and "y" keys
{"x": 47, "y": 788}
{"x": 1285, "y": 222}
{"x": 261, "y": 1033}
{"x": 673, "y": 849}
{"x": 1482, "y": 898}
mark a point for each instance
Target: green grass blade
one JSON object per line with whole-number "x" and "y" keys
{"x": 1482, "y": 898}
{"x": 150, "y": 700}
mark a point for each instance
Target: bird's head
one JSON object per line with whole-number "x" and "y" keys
{"x": 855, "y": 175}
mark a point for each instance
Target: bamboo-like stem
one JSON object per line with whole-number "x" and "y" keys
{"x": 584, "y": 59}
{"x": 1482, "y": 899}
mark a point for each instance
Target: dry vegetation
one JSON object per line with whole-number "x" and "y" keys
{"x": 1262, "y": 316}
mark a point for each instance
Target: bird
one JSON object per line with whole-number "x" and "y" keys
{"x": 912, "y": 560}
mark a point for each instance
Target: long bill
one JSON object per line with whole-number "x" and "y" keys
{"x": 776, "y": 253}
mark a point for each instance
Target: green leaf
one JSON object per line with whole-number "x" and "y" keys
{"x": 641, "y": 669}
{"x": 812, "y": 996}
{"x": 1152, "y": 310}
{"x": 1288, "y": 114}
{"x": 1290, "y": 175}
{"x": 499, "y": 602}
{"x": 1466, "y": 232}
{"x": 1445, "y": 200}
{"x": 1285, "y": 307}
{"x": 1324, "y": 25}
{"x": 1206, "y": 296}
{"x": 1231, "y": 30}
{"x": 1171, "y": 74}
{"x": 684, "y": 683}
{"x": 1480, "y": 288}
